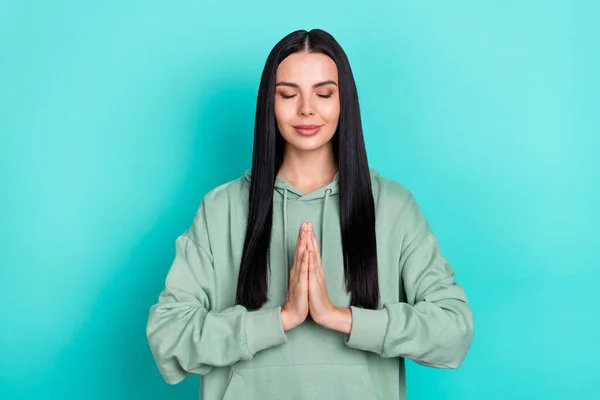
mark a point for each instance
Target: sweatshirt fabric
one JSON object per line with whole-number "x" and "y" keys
{"x": 196, "y": 327}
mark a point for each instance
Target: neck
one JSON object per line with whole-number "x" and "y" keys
{"x": 308, "y": 170}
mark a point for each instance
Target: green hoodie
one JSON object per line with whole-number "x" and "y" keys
{"x": 196, "y": 328}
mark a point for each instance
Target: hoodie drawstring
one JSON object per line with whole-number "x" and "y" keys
{"x": 327, "y": 193}
{"x": 285, "y": 229}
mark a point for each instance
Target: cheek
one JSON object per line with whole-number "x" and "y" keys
{"x": 330, "y": 112}
{"x": 284, "y": 112}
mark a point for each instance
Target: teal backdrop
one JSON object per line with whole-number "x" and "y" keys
{"x": 116, "y": 117}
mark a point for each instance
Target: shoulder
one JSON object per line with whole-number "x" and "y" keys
{"x": 234, "y": 191}
{"x": 395, "y": 204}
{"x": 389, "y": 192}
{"x": 219, "y": 200}
{"x": 216, "y": 209}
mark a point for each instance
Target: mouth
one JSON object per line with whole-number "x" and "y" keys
{"x": 307, "y": 130}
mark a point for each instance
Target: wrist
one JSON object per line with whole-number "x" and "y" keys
{"x": 287, "y": 319}
{"x": 338, "y": 319}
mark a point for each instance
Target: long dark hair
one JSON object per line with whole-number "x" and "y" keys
{"x": 357, "y": 209}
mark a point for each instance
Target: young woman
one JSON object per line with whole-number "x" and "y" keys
{"x": 311, "y": 276}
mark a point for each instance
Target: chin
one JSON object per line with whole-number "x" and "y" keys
{"x": 307, "y": 143}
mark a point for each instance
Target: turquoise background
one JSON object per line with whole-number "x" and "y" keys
{"x": 117, "y": 116}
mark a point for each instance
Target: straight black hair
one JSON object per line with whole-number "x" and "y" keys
{"x": 357, "y": 208}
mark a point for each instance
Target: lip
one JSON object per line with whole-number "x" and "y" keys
{"x": 307, "y": 130}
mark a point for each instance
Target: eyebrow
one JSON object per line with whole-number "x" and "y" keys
{"x": 316, "y": 85}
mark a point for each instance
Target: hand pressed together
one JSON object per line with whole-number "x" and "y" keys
{"x": 308, "y": 288}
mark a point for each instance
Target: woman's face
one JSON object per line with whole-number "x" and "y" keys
{"x": 307, "y": 102}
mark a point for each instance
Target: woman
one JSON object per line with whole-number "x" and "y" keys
{"x": 328, "y": 313}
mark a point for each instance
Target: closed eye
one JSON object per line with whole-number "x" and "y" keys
{"x": 324, "y": 96}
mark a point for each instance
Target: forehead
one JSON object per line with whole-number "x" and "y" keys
{"x": 308, "y": 68}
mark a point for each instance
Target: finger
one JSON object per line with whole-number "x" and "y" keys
{"x": 303, "y": 240}
{"x": 304, "y": 264}
{"x": 302, "y": 283}
{"x": 315, "y": 246}
{"x": 309, "y": 242}
{"x": 293, "y": 274}
{"x": 308, "y": 266}
{"x": 299, "y": 233}
{"x": 303, "y": 275}
{"x": 299, "y": 248}
{"x": 320, "y": 271}
{"x": 316, "y": 268}
{"x": 311, "y": 261}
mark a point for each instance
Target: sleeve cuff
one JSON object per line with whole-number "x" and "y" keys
{"x": 368, "y": 329}
{"x": 264, "y": 329}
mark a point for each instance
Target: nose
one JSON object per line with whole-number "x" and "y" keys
{"x": 306, "y": 108}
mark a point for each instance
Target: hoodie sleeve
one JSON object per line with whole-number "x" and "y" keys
{"x": 186, "y": 335}
{"x": 434, "y": 327}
